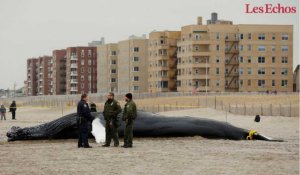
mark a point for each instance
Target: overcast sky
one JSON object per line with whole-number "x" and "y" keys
{"x": 32, "y": 28}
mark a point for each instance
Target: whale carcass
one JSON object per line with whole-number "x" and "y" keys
{"x": 146, "y": 125}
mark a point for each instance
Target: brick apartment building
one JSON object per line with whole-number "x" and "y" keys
{"x": 59, "y": 72}
{"x": 81, "y": 70}
{"x": 39, "y": 76}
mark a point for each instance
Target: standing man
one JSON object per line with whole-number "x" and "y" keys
{"x": 111, "y": 110}
{"x": 12, "y": 109}
{"x": 3, "y": 112}
{"x": 129, "y": 116}
{"x": 84, "y": 116}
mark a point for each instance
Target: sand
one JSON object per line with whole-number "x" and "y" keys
{"x": 189, "y": 155}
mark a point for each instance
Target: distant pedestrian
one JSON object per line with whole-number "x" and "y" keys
{"x": 13, "y": 109}
{"x": 129, "y": 115}
{"x": 3, "y": 112}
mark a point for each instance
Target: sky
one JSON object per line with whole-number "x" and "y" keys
{"x": 32, "y": 28}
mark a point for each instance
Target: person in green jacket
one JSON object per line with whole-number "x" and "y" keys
{"x": 111, "y": 110}
{"x": 129, "y": 115}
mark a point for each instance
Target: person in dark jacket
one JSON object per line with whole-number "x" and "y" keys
{"x": 111, "y": 110}
{"x": 84, "y": 116}
{"x": 13, "y": 109}
{"x": 3, "y": 112}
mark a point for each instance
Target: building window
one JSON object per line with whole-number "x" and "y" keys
{"x": 89, "y": 62}
{"x": 261, "y": 48}
{"x": 82, "y": 78}
{"x": 249, "y": 59}
{"x": 284, "y": 60}
{"x": 249, "y": 47}
{"x": 261, "y": 83}
{"x": 113, "y": 80}
{"x": 217, "y": 59}
{"x": 135, "y": 88}
{"x": 241, "y": 83}
{"x": 261, "y": 71}
{"x": 218, "y": 47}
{"x": 284, "y": 48}
{"x": 163, "y": 84}
{"x": 82, "y": 70}
{"x": 241, "y": 71}
{"x": 273, "y": 83}
{"x": 284, "y": 83}
{"x": 249, "y": 36}
{"x": 136, "y": 69}
{"x": 273, "y": 59}
{"x": 136, "y": 49}
{"x": 273, "y": 48}
{"x": 113, "y": 71}
{"x": 241, "y": 36}
{"x": 217, "y": 71}
{"x": 82, "y": 62}
{"x": 135, "y": 78}
{"x": 82, "y": 85}
{"x": 249, "y": 71}
{"x": 89, "y": 70}
{"x": 82, "y": 53}
{"x": 273, "y": 71}
{"x": 217, "y": 83}
{"x": 261, "y": 60}
{"x": 89, "y": 53}
{"x": 249, "y": 82}
{"x": 284, "y": 37}
{"x": 135, "y": 59}
{"x": 284, "y": 71}
{"x": 113, "y": 53}
{"x": 273, "y": 36}
{"x": 113, "y": 61}
{"x": 241, "y": 59}
{"x": 241, "y": 47}
{"x": 218, "y": 36}
{"x": 261, "y": 36}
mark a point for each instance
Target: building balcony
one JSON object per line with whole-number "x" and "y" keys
{"x": 74, "y": 58}
{"x": 74, "y": 66}
{"x": 74, "y": 81}
{"x": 74, "y": 89}
{"x": 74, "y": 73}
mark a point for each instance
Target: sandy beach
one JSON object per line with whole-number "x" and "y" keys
{"x": 189, "y": 155}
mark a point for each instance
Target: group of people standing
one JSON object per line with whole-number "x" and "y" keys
{"x": 111, "y": 111}
{"x": 12, "y": 109}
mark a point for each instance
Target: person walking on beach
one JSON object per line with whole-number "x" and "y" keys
{"x": 3, "y": 112}
{"x": 129, "y": 115}
{"x": 12, "y": 109}
{"x": 84, "y": 116}
{"x": 111, "y": 110}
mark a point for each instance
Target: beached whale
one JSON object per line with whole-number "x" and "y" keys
{"x": 146, "y": 125}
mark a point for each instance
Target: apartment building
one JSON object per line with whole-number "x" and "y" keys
{"x": 225, "y": 57}
{"x": 122, "y": 66}
{"x": 81, "y": 70}
{"x": 59, "y": 72}
{"x": 162, "y": 67}
{"x": 107, "y": 68}
{"x": 39, "y": 76}
{"x": 31, "y": 86}
{"x": 132, "y": 65}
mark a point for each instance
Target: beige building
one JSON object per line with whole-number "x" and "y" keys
{"x": 122, "y": 66}
{"x": 225, "y": 57}
{"x": 162, "y": 61}
{"x": 107, "y": 68}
